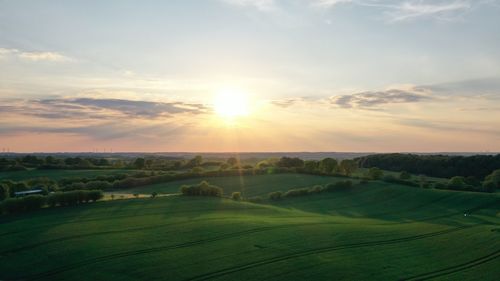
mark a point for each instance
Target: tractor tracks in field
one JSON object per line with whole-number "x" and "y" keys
{"x": 163, "y": 248}
{"x": 124, "y": 216}
{"x": 455, "y": 268}
{"x": 234, "y": 269}
{"x": 118, "y": 231}
{"x": 230, "y": 270}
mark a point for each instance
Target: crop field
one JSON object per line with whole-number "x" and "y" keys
{"x": 259, "y": 185}
{"x": 374, "y": 232}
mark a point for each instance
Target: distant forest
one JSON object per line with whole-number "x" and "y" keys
{"x": 443, "y": 166}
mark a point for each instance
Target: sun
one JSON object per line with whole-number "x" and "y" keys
{"x": 231, "y": 103}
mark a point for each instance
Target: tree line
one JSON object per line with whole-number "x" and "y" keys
{"x": 443, "y": 166}
{"x": 35, "y": 202}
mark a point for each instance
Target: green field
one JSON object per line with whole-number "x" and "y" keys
{"x": 59, "y": 174}
{"x": 259, "y": 185}
{"x": 374, "y": 232}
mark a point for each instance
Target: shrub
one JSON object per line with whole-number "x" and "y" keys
{"x": 404, "y": 175}
{"x": 12, "y": 205}
{"x": 375, "y": 173}
{"x": 488, "y": 186}
{"x": 276, "y": 195}
{"x": 28, "y": 203}
{"x": 457, "y": 183}
{"x": 201, "y": 189}
{"x": 339, "y": 186}
{"x": 236, "y": 196}
{"x": 439, "y": 185}
{"x": 296, "y": 192}
{"x": 33, "y": 202}
{"x": 95, "y": 195}
{"x": 390, "y": 178}
{"x": 103, "y": 185}
{"x": 316, "y": 189}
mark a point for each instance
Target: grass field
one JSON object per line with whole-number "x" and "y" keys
{"x": 59, "y": 174}
{"x": 375, "y": 232}
{"x": 259, "y": 185}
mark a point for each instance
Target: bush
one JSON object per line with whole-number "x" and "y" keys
{"x": 73, "y": 197}
{"x": 439, "y": 185}
{"x": 12, "y": 205}
{"x": 275, "y": 195}
{"x": 339, "y": 186}
{"x": 457, "y": 183}
{"x": 488, "y": 186}
{"x": 201, "y": 189}
{"x": 103, "y": 185}
{"x": 95, "y": 195}
{"x": 393, "y": 179}
{"x": 404, "y": 175}
{"x": 33, "y": 202}
{"x": 375, "y": 173}
{"x": 316, "y": 189}
{"x": 296, "y": 192}
{"x": 236, "y": 196}
{"x": 28, "y": 203}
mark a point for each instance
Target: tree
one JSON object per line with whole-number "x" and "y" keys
{"x": 232, "y": 161}
{"x": 139, "y": 163}
{"x": 493, "y": 179}
{"x": 275, "y": 195}
{"x": 405, "y": 175}
{"x": 289, "y": 162}
{"x": 423, "y": 181}
{"x": 328, "y": 165}
{"x": 457, "y": 182}
{"x": 201, "y": 189}
{"x": 311, "y": 166}
{"x": 195, "y": 162}
{"x": 4, "y": 191}
{"x": 236, "y": 196}
{"x": 375, "y": 173}
{"x": 154, "y": 194}
{"x": 348, "y": 166}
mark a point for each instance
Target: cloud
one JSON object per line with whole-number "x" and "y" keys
{"x": 34, "y": 56}
{"x": 328, "y": 3}
{"x": 371, "y": 99}
{"x": 99, "y": 109}
{"x": 103, "y": 131}
{"x": 262, "y": 5}
{"x": 409, "y": 10}
{"x": 398, "y": 11}
{"x": 442, "y": 126}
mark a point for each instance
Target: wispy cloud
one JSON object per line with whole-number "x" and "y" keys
{"x": 34, "y": 55}
{"x": 449, "y": 126}
{"x": 409, "y": 10}
{"x": 329, "y": 3}
{"x": 99, "y": 109}
{"x": 393, "y": 10}
{"x": 372, "y": 99}
{"x": 262, "y": 5}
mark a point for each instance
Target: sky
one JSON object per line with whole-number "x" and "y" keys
{"x": 316, "y": 75}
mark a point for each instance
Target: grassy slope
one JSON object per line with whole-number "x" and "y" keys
{"x": 58, "y": 174}
{"x": 259, "y": 185}
{"x": 374, "y": 232}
